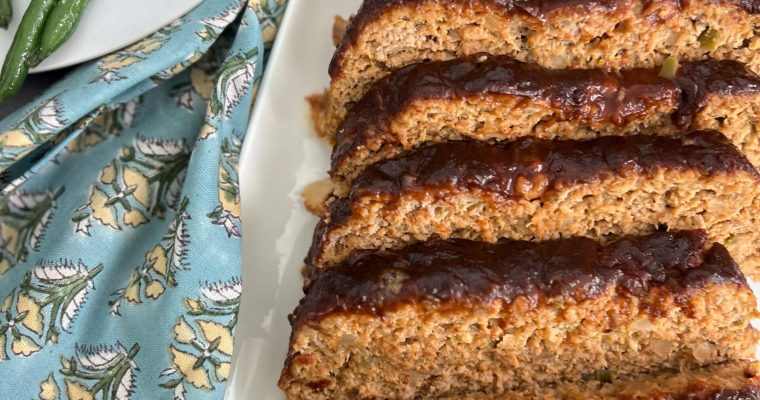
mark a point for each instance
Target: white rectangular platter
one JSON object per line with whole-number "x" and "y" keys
{"x": 281, "y": 155}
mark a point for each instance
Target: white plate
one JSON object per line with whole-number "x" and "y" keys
{"x": 280, "y": 156}
{"x": 106, "y": 25}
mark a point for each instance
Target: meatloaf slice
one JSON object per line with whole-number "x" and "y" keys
{"x": 496, "y": 98}
{"x": 457, "y": 317}
{"x": 389, "y": 34}
{"x": 728, "y": 381}
{"x": 547, "y": 189}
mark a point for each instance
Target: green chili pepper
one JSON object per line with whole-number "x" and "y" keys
{"x": 669, "y": 68}
{"x": 708, "y": 40}
{"x": 6, "y": 13}
{"x": 24, "y": 46}
{"x": 62, "y": 22}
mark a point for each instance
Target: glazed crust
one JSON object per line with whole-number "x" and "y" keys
{"x": 614, "y": 34}
{"x": 452, "y": 318}
{"x": 538, "y": 189}
{"x": 488, "y": 98}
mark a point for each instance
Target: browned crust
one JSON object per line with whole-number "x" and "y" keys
{"x": 640, "y": 34}
{"x": 464, "y": 273}
{"x": 594, "y": 100}
{"x": 525, "y": 345}
{"x": 530, "y": 187}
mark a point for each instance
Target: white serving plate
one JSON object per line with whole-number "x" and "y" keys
{"x": 106, "y": 25}
{"x": 281, "y": 155}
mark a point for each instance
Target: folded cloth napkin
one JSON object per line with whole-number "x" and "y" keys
{"x": 120, "y": 267}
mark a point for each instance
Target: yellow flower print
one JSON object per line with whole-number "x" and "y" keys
{"x": 154, "y": 289}
{"x": 146, "y": 46}
{"x": 47, "y": 301}
{"x": 49, "y": 389}
{"x": 157, "y": 272}
{"x": 202, "y": 343}
{"x": 5, "y": 265}
{"x": 207, "y": 130}
{"x": 157, "y": 257}
{"x": 78, "y": 391}
{"x": 134, "y": 218}
{"x": 24, "y": 345}
{"x": 9, "y": 237}
{"x": 100, "y": 211}
{"x": 102, "y": 371}
{"x": 230, "y": 202}
{"x": 15, "y": 138}
{"x": 222, "y": 371}
{"x": 269, "y": 32}
{"x": 193, "y": 306}
{"x": 134, "y": 179}
{"x": 3, "y": 355}
{"x": 202, "y": 82}
{"x": 108, "y": 174}
{"x": 118, "y": 60}
{"x": 183, "y": 333}
{"x": 213, "y": 330}
{"x": 185, "y": 363}
{"x": 6, "y": 304}
{"x": 132, "y": 293}
{"x": 33, "y": 319}
{"x": 227, "y": 212}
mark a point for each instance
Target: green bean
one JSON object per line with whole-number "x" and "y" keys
{"x": 6, "y": 13}
{"x": 25, "y": 44}
{"x": 60, "y": 25}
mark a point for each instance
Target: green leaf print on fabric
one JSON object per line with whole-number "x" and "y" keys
{"x": 144, "y": 180}
{"x": 146, "y": 143}
{"x": 35, "y": 128}
{"x": 105, "y": 372}
{"x": 24, "y": 217}
{"x": 157, "y": 273}
{"x": 227, "y": 213}
{"x": 46, "y": 303}
{"x": 111, "y": 65}
{"x": 213, "y": 26}
{"x": 201, "y": 354}
{"x": 107, "y": 125}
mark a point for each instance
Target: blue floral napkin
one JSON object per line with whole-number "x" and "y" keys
{"x": 120, "y": 268}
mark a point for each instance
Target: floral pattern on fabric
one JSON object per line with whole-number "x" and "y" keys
{"x": 120, "y": 215}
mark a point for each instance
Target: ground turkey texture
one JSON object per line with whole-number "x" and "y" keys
{"x": 547, "y": 189}
{"x": 459, "y": 317}
{"x": 490, "y": 98}
{"x": 389, "y": 34}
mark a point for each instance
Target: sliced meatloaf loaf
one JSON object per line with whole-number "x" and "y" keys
{"x": 729, "y": 381}
{"x": 495, "y": 98}
{"x": 546, "y": 189}
{"x": 457, "y": 317}
{"x": 389, "y": 34}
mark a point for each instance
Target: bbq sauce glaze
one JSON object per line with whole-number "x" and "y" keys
{"x": 464, "y": 273}
{"x": 527, "y": 169}
{"x": 576, "y": 95}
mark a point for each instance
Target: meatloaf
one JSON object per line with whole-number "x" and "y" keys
{"x": 496, "y": 98}
{"x": 389, "y": 34}
{"x": 547, "y": 189}
{"x": 728, "y": 381}
{"x": 458, "y": 317}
